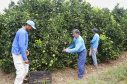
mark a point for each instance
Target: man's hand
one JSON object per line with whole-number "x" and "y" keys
{"x": 67, "y": 48}
{"x": 27, "y": 53}
{"x": 26, "y": 61}
{"x": 64, "y": 50}
{"x": 90, "y": 44}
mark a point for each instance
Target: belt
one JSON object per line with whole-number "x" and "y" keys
{"x": 82, "y": 50}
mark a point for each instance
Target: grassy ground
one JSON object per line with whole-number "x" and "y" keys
{"x": 113, "y": 76}
{"x": 113, "y": 72}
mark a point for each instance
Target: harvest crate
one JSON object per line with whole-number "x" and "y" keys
{"x": 40, "y": 77}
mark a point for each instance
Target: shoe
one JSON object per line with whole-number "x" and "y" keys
{"x": 26, "y": 80}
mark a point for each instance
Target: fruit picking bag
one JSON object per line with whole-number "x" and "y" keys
{"x": 90, "y": 52}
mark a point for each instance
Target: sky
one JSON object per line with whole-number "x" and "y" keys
{"x": 108, "y": 3}
{"x": 98, "y": 3}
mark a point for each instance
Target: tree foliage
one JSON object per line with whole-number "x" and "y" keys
{"x": 55, "y": 20}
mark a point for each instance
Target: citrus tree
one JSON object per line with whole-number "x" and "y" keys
{"x": 55, "y": 20}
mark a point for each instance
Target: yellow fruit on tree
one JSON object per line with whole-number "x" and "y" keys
{"x": 43, "y": 51}
{"x": 51, "y": 61}
{"x": 50, "y": 64}
{"x": 53, "y": 55}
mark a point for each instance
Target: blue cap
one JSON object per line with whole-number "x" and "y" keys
{"x": 31, "y": 23}
{"x": 95, "y": 30}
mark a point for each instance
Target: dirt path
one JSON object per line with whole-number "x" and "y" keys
{"x": 64, "y": 77}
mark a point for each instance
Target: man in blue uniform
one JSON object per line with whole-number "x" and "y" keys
{"x": 19, "y": 52}
{"x": 79, "y": 47}
{"x": 95, "y": 42}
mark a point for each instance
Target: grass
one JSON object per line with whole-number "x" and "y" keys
{"x": 116, "y": 75}
{"x": 73, "y": 81}
{"x": 113, "y": 76}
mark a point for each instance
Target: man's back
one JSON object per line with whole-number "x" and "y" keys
{"x": 22, "y": 35}
{"x": 81, "y": 41}
{"x": 95, "y": 41}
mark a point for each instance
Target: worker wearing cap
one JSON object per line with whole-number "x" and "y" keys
{"x": 19, "y": 51}
{"x": 95, "y": 42}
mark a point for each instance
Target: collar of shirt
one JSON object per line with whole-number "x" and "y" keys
{"x": 76, "y": 39}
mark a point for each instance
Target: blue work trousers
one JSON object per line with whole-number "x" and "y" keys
{"x": 81, "y": 63}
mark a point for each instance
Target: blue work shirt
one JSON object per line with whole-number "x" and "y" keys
{"x": 78, "y": 44}
{"x": 20, "y": 43}
{"x": 95, "y": 41}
